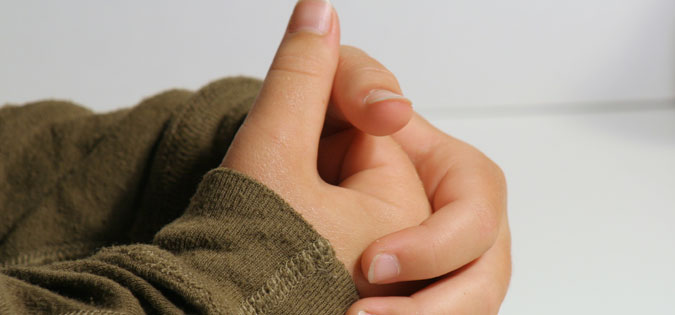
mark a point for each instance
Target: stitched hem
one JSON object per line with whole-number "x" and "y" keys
{"x": 318, "y": 257}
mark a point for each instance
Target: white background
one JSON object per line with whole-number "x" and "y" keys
{"x": 574, "y": 99}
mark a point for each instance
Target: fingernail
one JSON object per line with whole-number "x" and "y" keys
{"x": 311, "y": 16}
{"x": 380, "y": 95}
{"x": 364, "y": 313}
{"x": 382, "y": 268}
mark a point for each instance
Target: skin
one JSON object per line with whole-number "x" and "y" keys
{"x": 438, "y": 205}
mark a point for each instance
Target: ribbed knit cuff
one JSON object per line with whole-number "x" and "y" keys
{"x": 288, "y": 267}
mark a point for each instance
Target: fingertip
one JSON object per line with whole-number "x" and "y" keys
{"x": 403, "y": 245}
{"x": 380, "y": 262}
{"x": 386, "y": 117}
{"x": 369, "y": 95}
{"x": 392, "y": 305}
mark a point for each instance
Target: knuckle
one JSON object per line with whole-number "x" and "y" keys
{"x": 495, "y": 172}
{"x": 435, "y": 260}
{"x": 498, "y": 174}
{"x": 498, "y": 179}
{"x": 347, "y": 50}
{"x": 376, "y": 71}
{"x": 487, "y": 220}
{"x": 356, "y": 63}
{"x": 297, "y": 64}
{"x": 351, "y": 55}
{"x": 494, "y": 179}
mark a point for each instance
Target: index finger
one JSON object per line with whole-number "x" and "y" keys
{"x": 440, "y": 158}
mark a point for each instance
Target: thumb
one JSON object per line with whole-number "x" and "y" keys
{"x": 283, "y": 128}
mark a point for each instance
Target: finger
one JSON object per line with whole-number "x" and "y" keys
{"x": 418, "y": 128}
{"x": 393, "y": 305}
{"x": 421, "y": 153}
{"x": 438, "y": 153}
{"x": 367, "y": 95}
{"x": 469, "y": 203}
{"x": 478, "y": 288}
{"x": 449, "y": 239}
{"x": 378, "y": 167}
{"x": 285, "y": 122}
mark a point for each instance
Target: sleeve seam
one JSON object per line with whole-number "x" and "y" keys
{"x": 317, "y": 257}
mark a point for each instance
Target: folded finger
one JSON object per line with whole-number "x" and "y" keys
{"x": 468, "y": 194}
{"x": 392, "y": 305}
{"x": 367, "y": 95}
{"x": 449, "y": 239}
{"x": 478, "y": 288}
{"x": 469, "y": 206}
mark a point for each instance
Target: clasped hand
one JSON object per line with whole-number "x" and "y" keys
{"x": 417, "y": 217}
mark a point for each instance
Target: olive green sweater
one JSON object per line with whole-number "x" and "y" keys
{"x": 124, "y": 213}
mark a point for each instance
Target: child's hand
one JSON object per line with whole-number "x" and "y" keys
{"x": 468, "y": 231}
{"x": 465, "y": 244}
{"x": 369, "y": 188}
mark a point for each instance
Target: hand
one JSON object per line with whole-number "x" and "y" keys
{"x": 485, "y": 279}
{"x": 468, "y": 232}
{"x": 369, "y": 188}
{"x": 465, "y": 244}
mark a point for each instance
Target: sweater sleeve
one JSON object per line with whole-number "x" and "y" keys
{"x": 238, "y": 249}
{"x": 117, "y": 237}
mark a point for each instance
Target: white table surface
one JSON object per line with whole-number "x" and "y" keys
{"x": 591, "y": 206}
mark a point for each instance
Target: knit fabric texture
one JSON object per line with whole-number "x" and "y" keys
{"x": 127, "y": 213}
